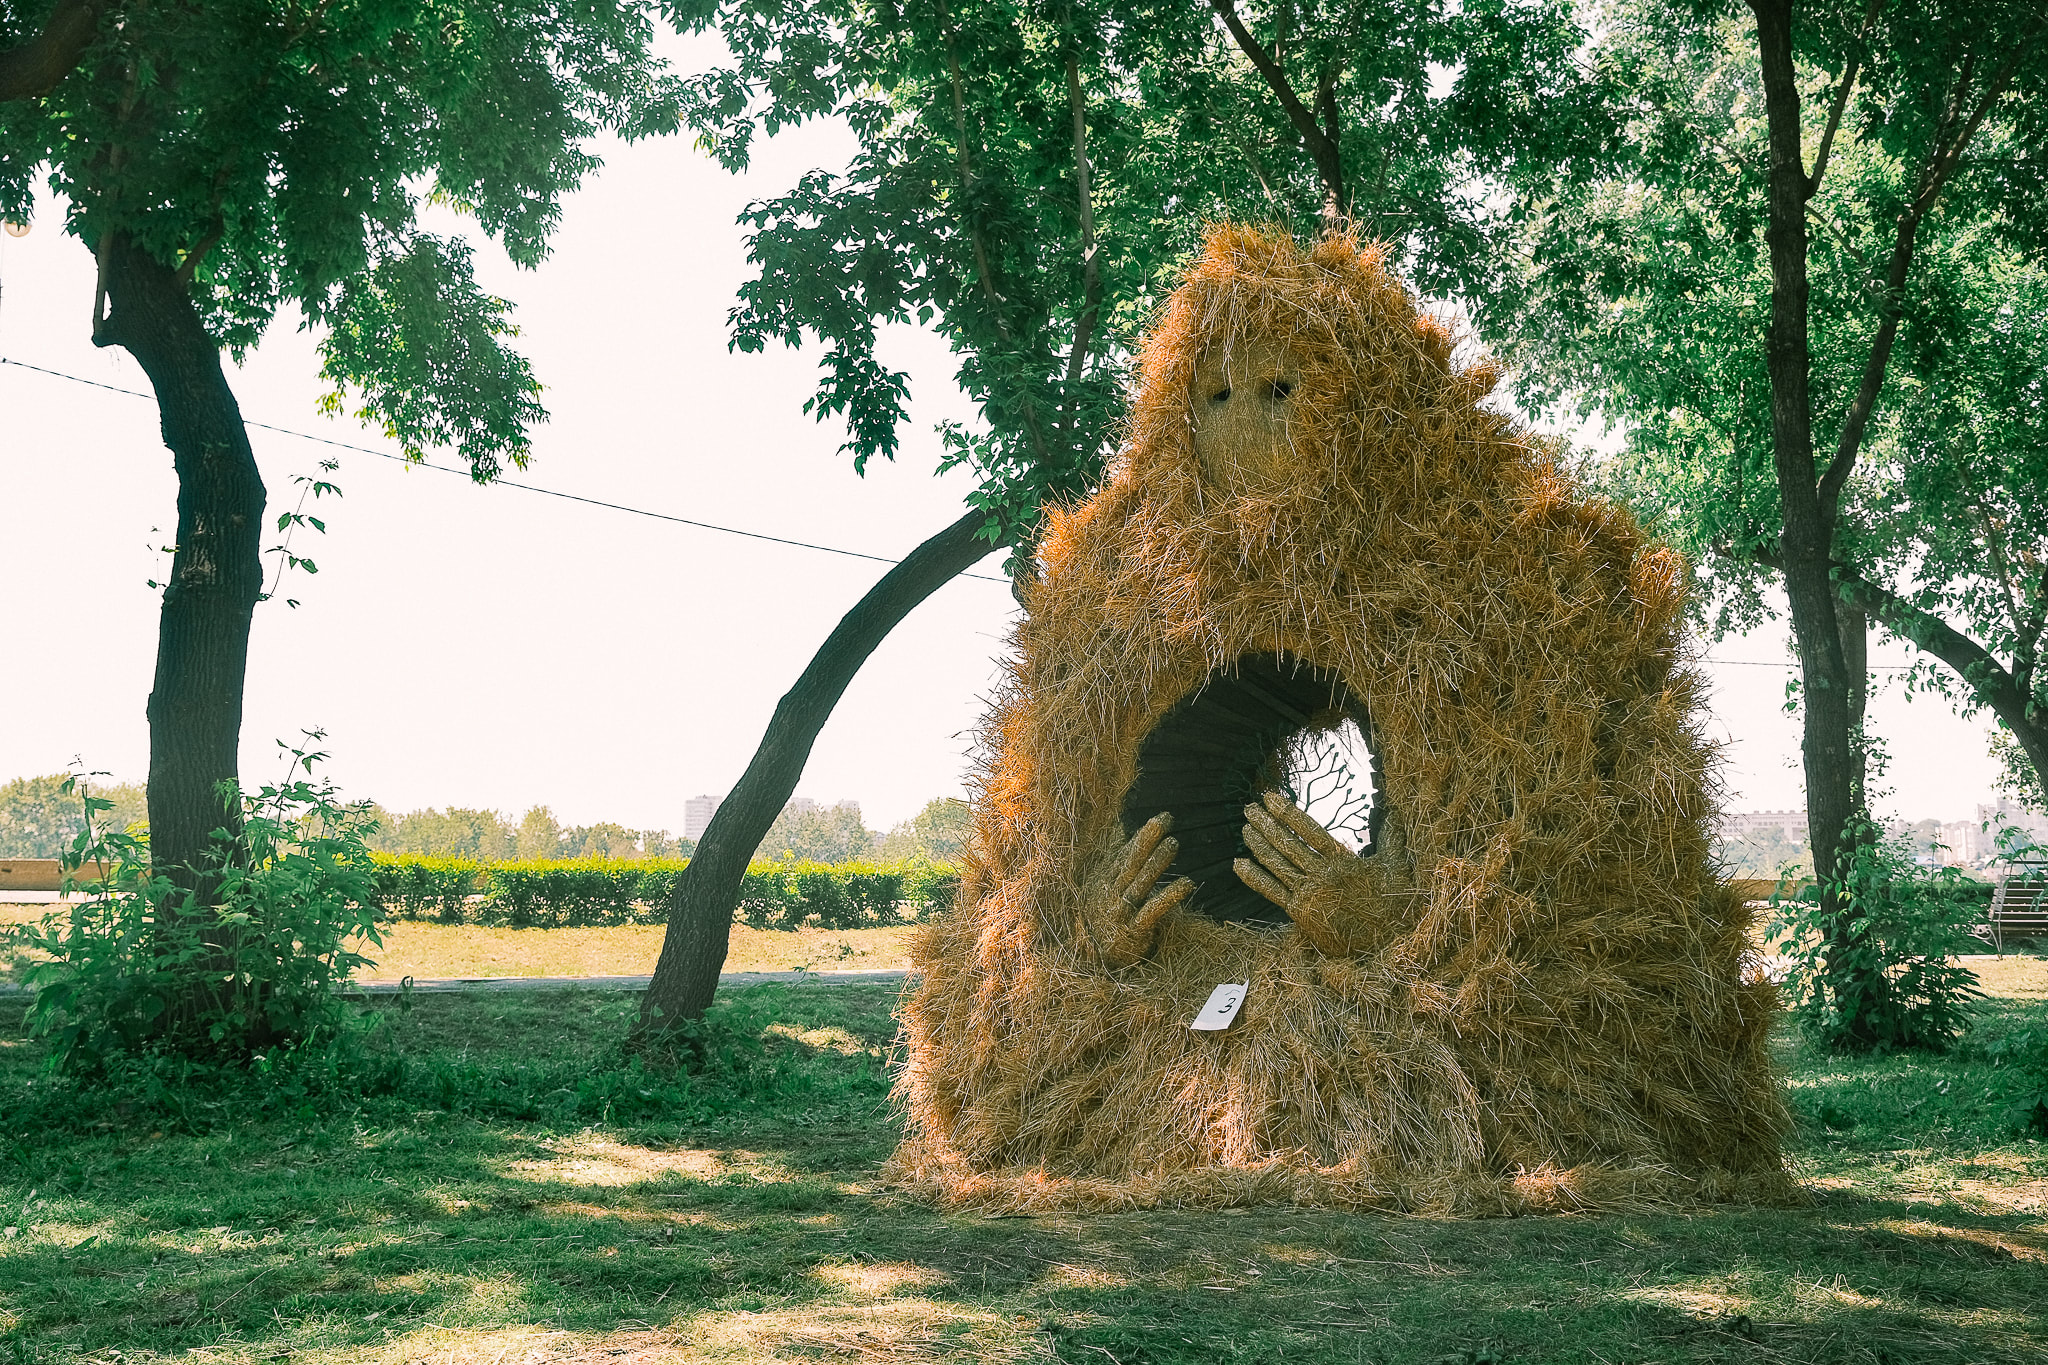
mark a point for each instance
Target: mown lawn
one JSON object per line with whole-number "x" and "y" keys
{"x": 516, "y": 1193}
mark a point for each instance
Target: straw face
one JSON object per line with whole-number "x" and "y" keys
{"x": 1526, "y": 989}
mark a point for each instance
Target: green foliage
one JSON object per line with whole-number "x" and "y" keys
{"x": 2017, "y": 779}
{"x": 806, "y": 832}
{"x": 417, "y": 338}
{"x": 1881, "y": 975}
{"x": 964, "y": 208}
{"x": 484, "y": 835}
{"x": 846, "y": 896}
{"x": 1764, "y": 853}
{"x": 595, "y": 891}
{"x": 2020, "y": 1049}
{"x": 939, "y": 832}
{"x": 41, "y": 816}
{"x": 281, "y": 155}
{"x": 142, "y": 969}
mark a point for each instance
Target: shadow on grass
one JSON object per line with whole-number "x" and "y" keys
{"x": 398, "y": 1230}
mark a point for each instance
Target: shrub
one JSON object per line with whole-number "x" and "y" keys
{"x": 1882, "y": 976}
{"x": 595, "y": 891}
{"x": 144, "y": 967}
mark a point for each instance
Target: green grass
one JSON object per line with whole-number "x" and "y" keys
{"x": 517, "y": 1192}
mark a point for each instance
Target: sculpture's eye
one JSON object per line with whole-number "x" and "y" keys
{"x": 1220, "y": 396}
{"x": 1282, "y": 390}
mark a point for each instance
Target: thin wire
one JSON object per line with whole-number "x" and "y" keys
{"x": 502, "y": 483}
{"x": 664, "y": 516}
{"x": 1766, "y": 663}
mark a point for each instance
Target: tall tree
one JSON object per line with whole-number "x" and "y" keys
{"x": 228, "y": 160}
{"x": 1027, "y": 178}
{"x": 1733, "y": 272}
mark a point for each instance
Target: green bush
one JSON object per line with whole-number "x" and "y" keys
{"x": 1883, "y": 976}
{"x": 594, "y": 891}
{"x": 142, "y": 968}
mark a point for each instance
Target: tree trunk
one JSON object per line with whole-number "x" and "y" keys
{"x": 33, "y": 68}
{"x": 1854, "y": 624}
{"x": 195, "y": 703}
{"x": 1806, "y": 541}
{"x": 700, "y": 911}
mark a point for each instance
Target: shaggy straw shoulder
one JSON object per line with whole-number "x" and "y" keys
{"x": 1530, "y": 993}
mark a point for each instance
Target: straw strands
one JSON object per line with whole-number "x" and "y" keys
{"x": 1529, "y": 991}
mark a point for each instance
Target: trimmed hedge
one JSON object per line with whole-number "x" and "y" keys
{"x": 587, "y": 891}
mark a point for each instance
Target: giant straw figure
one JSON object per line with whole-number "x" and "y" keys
{"x": 1518, "y": 985}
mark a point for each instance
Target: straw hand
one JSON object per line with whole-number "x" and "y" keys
{"x": 1290, "y": 851}
{"x": 1122, "y": 906}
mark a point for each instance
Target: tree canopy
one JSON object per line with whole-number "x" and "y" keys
{"x": 1029, "y": 178}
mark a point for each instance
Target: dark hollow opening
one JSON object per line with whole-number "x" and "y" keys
{"x": 1217, "y": 751}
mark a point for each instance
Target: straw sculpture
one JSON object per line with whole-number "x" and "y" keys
{"x": 1526, "y": 989}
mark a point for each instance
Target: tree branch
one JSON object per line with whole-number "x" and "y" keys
{"x": 1841, "y": 104}
{"x": 979, "y": 240}
{"x": 1322, "y": 146}
{"x": 1941, "y": 165}
{"x": 33, "y": 68}
{"x": 1857, "y": 419}
{"x": 1091, "y": 276}
{"x": 1998, "y": 689}
{"x": 2006, "y": 693}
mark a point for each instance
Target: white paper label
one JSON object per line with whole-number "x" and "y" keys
{"x": 1221, "y": 1011}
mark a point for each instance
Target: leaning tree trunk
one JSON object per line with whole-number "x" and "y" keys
{"x": 1806, "y": 544}
{"x": 195, "y": 703}
{"x": 700, "y": 909}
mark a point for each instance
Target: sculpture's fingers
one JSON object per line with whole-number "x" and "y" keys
{"x": 1160, "y": 906}
{"x": 1282, "y": 841}
{"x": 1137, "y": 852}
{"x": 1298, "y": 820}
{"x": 1276, "y": 863}
{"x": 1154, "y": 868}
{"x": 1261, "y": 881}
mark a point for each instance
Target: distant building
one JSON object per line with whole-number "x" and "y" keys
{"x": 1748, "y": 824}
{"x": 1963, "y": 842}
{"x": 2008, "y": 813}
{"x": 697, "y": 813}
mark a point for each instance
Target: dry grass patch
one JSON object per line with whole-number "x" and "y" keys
{"x": 900, "y": 1330}
{"x": 598, "y": 1161}
{"x": 2015, "y": 976}
{"x": 435, "y": 951}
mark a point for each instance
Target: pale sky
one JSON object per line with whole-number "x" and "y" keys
{"x": 496, "y": 648}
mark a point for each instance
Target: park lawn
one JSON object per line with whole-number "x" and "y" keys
{"x": 518, "y": 1193}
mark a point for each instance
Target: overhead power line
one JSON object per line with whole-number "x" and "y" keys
{"x": 662, "y": 516}
{"x": 1767, "y": 663}
{"x": 500, "y": 483}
